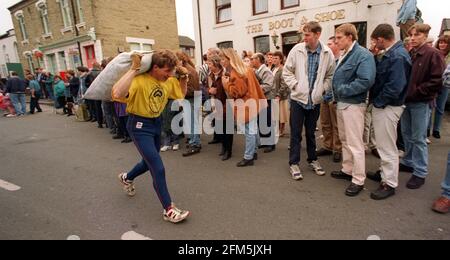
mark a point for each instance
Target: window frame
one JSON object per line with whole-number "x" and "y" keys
{"x": 254, "y": 8}
{"x": 80, "y": 12}
{"x": 23, "y": 29}
{"x": 222, "y": 7}
{"x": 219, "y": 44}
{"x": 283, "y": 7}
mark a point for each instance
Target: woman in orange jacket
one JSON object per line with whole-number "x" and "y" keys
{"x": 242, "y": 86}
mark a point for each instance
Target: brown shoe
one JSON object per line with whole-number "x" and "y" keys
{"x": 442, "y": 205}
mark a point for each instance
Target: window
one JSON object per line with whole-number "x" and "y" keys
{"x": 260, "y": 6}
{"x": 30, "y": 62}
{"x": 16, "y": 51}
{"x": 52, "y": 66}
{"x": 225, "y": 45}
{"x": 43, "y": 13}
{"x": 361, "y": 27}
{"x": 80, "y": 12}
{"x": 223, "y": 11}
{"x": 7, "y": 60}
{"x": 262, "y": 44}
{"x": 285, "y": 4}
{"x": 138, "y": 44}
{"x": 65, "y": 11}
{"x": 23, "y": 29}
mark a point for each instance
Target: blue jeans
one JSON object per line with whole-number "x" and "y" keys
{"x": 251, "y": 138}
{"x": 446, "y": 183}
{"x": 414, "y": 129}
{"x": 146, "y": 135}
{"x": 308, "y": 118}
{"x": 440, "y": 109}
{"x": 195, "y": 124}
{"x": 20, "y": 103}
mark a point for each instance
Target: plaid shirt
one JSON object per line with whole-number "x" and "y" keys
{"x": 313, "y": 67}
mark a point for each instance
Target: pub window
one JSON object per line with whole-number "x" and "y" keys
{"x": 225, "y": 45}
{"x": 285, "y": 4}
{"x": 260, "y": 7}
{"x": 223, "y": 11}
{"x": 262, "y": 44}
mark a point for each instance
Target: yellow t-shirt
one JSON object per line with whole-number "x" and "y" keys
{"x": 148, "y": 97}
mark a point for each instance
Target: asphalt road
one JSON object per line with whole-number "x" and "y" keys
{"x": 67, "y": 174}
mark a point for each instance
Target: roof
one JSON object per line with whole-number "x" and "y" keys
{"x": 16, "y": 5}
{"x": 186, "y": 41}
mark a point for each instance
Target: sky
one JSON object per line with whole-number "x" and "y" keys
{"x": 432, "y": 15}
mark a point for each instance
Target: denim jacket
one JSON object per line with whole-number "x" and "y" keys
{"x": 407, "y": 12}
{"x": 354, "y": 76}
{"x": 393, "y": 75}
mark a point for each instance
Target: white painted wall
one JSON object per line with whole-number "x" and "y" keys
{"x": 9, "y": 51}
{"x": 382, "y": 11}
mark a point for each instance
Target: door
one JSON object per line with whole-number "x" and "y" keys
{"x": 90, "y": 55}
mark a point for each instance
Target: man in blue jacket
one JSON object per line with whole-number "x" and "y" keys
{"x": 354, "y": 76}
{"x": 407, "y": 17}
{"x": 388, "y": 98}
{"x": 16, "y": 88}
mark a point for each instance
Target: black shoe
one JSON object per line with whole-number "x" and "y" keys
{"x": 437, "y": 134}
{"x": 192, "y": 151}
{"x": 269, "y": 149}
{"x": 323, "y": 152}
{"x": 353, "y": 190}
{"x": 113, "y": 132}
{"x": 375, "y": 153}
{"x": 245, "y": 163}
{"x": 215, "y": 142}
{"x": 117, "y": 137}
{"x": 69, "y": 115}
{"x": 404, "y": 168}
{"x": 39, "y": 111}
{"x": 255, "y": 157}
{"x": 341, "y": 176}
{"x": 384, "y": 191}
{"x": 127, "y": 140}
{"x": 415, "y": 183}
{"x": 100, "y": 126}
{"x": 337, "y": 157}
{"x": 374, "y": 176}
{"x": 226, "y": 157}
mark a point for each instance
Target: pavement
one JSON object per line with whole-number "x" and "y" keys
{"x": 58, "y": 180}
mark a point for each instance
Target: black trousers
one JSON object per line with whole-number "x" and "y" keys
{"x": 99, "y": 112}
{"x": 308, "y": 118}
{"x": 122, "y": 127}
{"x": 226, "y": 139}
{"x": 34, "y": 103}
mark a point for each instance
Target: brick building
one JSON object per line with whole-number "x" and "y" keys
{"x": 63, "y": 34}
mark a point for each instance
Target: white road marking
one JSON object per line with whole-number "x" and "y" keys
{"x": 73, "y": 237}
{"x": 9, "y": 186}
{"x": 374, "y": 237}
{"x": 131, "y": 235}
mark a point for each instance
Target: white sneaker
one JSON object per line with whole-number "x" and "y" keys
{"x": 165, "y": 148}
{"x": 296, "y": 173}
{"x": 128, "y": 186}
{"x": 429, "y": 141}
{"x": 317, "y": 168}
{"x": 175, "y": 215}
{"x": 176, "y": 147}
